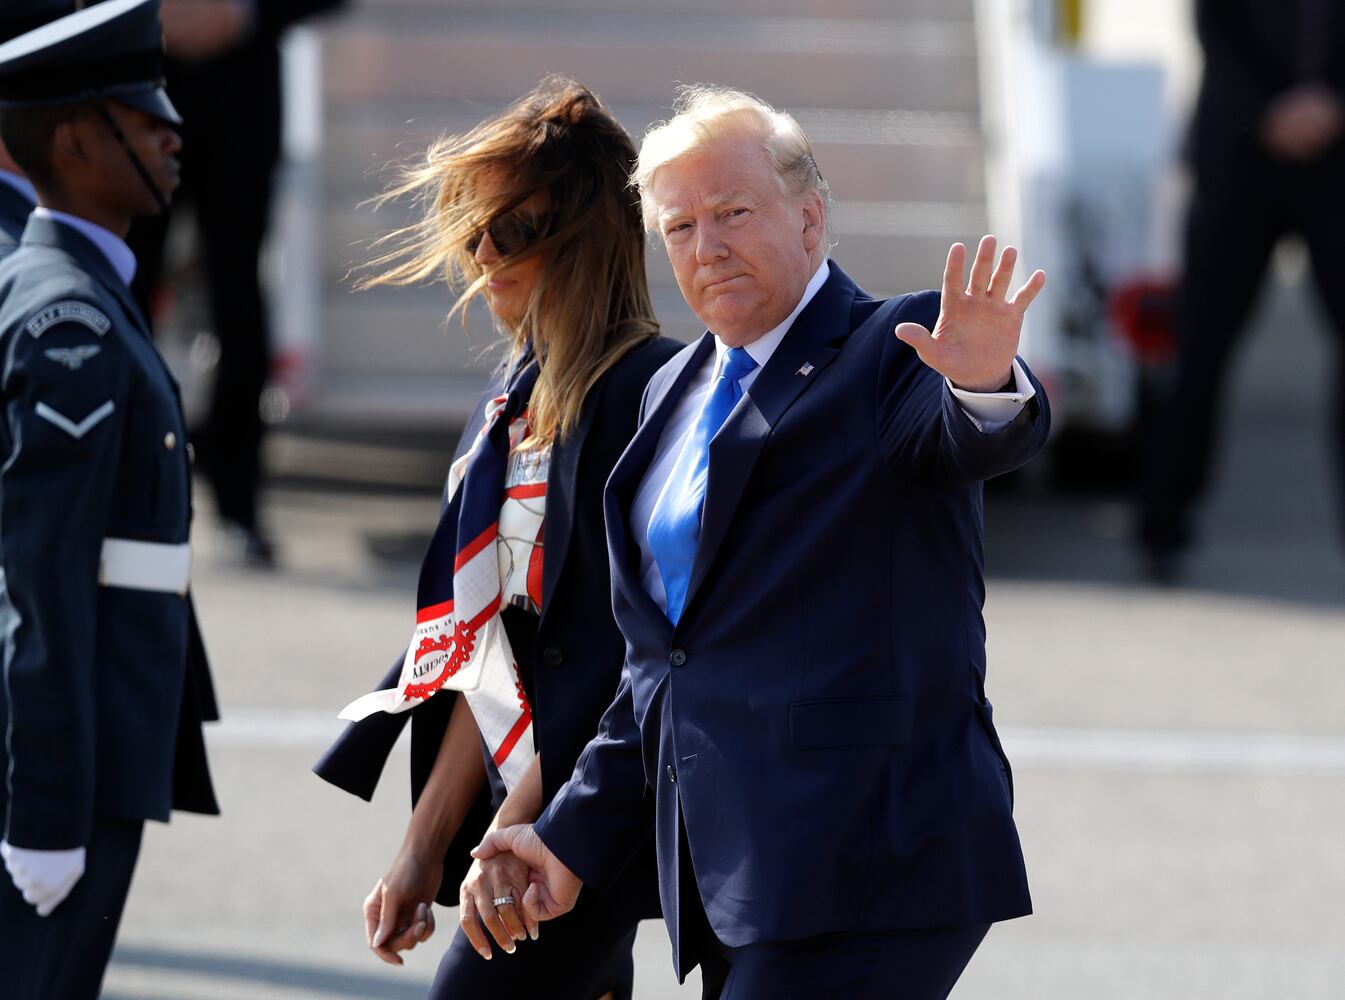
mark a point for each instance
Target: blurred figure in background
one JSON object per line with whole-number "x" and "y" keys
{"x": 530, "y": 211}
{"x": 17, "y": 196}
{"x": 1268, "y": 161}
{"x": 105, "y": 678}
{"x": 223, "y": 72}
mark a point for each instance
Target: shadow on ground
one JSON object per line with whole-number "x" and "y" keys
{"x": 260, "y": 972}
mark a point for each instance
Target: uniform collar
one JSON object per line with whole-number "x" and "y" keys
{"x": 112, "y": 246}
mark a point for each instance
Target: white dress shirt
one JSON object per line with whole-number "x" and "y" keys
{"x": 989, "y": 411}
{"x": 113, "y": 247}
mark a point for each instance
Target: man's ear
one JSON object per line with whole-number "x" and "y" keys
{"x": 70, "y": 141}
{"x": 814, "y": 221}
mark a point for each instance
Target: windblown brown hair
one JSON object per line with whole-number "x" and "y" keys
{"x": 591, "y": 303}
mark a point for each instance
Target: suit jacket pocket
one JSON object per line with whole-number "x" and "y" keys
{"x": 814, "y": 725}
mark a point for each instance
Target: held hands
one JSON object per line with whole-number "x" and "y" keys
{"x": 44, "y": 878}
{"x": 553, "y": 888}
{"x": 397, "y": 913}
{"x": 976, "y": 335}
{"x": 484, "y": 907}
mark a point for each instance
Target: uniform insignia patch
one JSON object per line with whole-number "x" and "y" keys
{"x": 75, "y": 430}
{"x": 72, "y": 357}
{"x": 69, "y": 311}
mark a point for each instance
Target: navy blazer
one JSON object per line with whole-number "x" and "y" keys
{"x": 105, "y": 688}
{"x": 573, "y": 665}
{"x": 817, "y": 718}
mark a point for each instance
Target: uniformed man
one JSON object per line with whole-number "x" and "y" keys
{"x": 105, "y": 681}
{"x": 17, "y": 196}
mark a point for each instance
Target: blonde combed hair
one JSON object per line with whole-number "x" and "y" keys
{"x": 591, "y": 303}
{"x": 705, "y": 112}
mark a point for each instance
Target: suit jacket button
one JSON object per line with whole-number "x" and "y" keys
{"x": 672, "y": 775}
{"x": 552, "y": 656}
{"x": 677, "y": 657}
{"x": 170, "y": 440}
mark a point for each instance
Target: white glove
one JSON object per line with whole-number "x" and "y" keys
{"x": 44, "y": 877}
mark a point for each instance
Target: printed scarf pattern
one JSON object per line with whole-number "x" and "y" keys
{"x": 459, "y": 640}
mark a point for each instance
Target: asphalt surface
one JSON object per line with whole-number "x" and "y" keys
{"x": 1179, "y": 752}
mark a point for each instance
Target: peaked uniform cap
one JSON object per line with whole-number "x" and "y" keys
{"x": 110, "y": 51}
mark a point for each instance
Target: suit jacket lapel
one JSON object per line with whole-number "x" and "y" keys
{"x": 631, "y": 467}
{"x": 560, "y": 487}
{"x": 811, "y": 341}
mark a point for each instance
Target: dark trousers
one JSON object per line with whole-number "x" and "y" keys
{"x": 922, "y": 964}
{"x": 63, "y": 956}
{"x": 1243, "y": 203}
{"x": 918, "y": 964}
{"x": 230, "y": 148}
{"x": 580, "y": 956}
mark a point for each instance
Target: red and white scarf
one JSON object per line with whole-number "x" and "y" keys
{"x": 490, "y": 531}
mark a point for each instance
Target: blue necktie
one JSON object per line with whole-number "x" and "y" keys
{"x": 675, "y": 523}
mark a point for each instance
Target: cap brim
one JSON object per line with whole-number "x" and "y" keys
{"x": 153, "y": 102}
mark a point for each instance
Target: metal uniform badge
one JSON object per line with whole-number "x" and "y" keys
{"x": 72, "y": 357}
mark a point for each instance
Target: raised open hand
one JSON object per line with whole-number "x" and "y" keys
{"x": 976, "y": 336}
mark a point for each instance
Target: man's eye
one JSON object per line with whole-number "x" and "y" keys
{"x": 734, "y": 212}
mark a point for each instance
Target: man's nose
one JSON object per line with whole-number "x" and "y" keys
{"x": 710, "y": 245}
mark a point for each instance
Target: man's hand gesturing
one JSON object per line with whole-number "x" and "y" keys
{"x": 553, "y": 888}
{"x": 976, "y": 335}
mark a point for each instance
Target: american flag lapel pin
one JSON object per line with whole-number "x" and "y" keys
{"x": 806, "y": 369}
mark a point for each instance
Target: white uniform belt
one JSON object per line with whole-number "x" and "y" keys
{"x": 145, "y": 565}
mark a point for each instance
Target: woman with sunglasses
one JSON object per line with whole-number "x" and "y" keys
{"x": 529, "y": 210}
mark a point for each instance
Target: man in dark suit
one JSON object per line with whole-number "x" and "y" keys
{"x": 105, "y": 680}
{"x": 1268, "y": 156}
{"x": 17, "y": 196}
{"x": 795, "y": 539}
{"x": 224, "y": 75}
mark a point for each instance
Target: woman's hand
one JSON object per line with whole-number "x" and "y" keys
{"x": 497, "y": 878}
{"x": 397, "y": 913}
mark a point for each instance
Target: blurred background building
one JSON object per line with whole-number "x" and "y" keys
{"x": 1051, "y": 122}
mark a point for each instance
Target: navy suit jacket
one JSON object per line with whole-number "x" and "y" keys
{"x": 105, "y": 687}
{"x": 817, "y": 718}
{"x": 573, "y": 665}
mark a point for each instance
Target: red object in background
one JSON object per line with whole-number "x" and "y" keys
{"x": 1144, "y": 314}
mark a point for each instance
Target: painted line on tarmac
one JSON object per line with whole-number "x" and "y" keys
{"x": 1044, "y": 747}
{"x": 280, "y": 729}
{"x": 1173, "y": 751}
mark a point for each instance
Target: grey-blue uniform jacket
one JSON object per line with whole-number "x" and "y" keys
{"x": 14, "y": 209}
{"x": 105, "y": 683}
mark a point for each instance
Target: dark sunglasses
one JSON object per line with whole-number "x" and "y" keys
{"x": 509, "y": 234}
